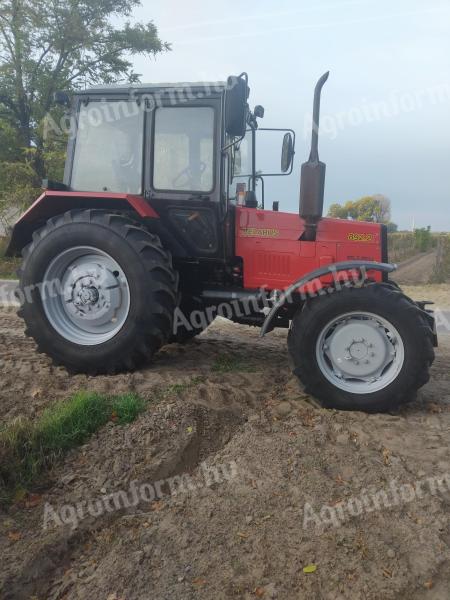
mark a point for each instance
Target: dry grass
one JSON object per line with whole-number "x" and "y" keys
{"x": 441, "y": 272}
{"x": 439, "y": 293}
{"x": 401, "y": 246}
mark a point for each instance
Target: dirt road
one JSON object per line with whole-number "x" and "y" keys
{"x": 228, "y": 400}
{"x": 416, "y": 270}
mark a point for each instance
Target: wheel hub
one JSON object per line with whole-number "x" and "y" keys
{"x": 359, "y": 352}
{"x": 94, "y": 297}
{"x": 86, "y": 296}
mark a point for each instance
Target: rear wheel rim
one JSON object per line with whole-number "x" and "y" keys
{"x": 360, "y": 352}
{"x": 85, "y": 295}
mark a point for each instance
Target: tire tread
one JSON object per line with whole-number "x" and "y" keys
{"x": 162, "y": 277}
{"x": 380, "y": 294}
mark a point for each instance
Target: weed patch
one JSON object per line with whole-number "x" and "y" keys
{"x": 8, "y": 266}
{"x": 27, "y": 449}
{"x": 227, "y": 363}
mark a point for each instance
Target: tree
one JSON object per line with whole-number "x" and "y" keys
{"x": 337, "y": 211}
{"x": 345, "y": 211}
{"x": 10, "y": 149}
{"x": 368, "y": 208}
{"x": 46, "y": 45}
{"x": 392, "y": 227}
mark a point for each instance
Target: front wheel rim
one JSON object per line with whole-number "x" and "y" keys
{"x": 85, "y": 295}
{"x": 360, "y": 352}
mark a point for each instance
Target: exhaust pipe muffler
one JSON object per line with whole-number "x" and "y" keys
{"x": 312, "y": 179}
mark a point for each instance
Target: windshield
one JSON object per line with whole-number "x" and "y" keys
{"x": 108, "y": 148}
{"x": 184, "y": 149}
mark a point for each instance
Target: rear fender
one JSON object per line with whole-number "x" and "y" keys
{"x": 361, "y": 266}
{"x": 52, "y": 203}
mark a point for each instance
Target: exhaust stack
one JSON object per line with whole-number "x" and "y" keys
{"x": 312, "y": 179}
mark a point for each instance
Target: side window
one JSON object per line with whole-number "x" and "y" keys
{"x": 108, "y": 148}
{"x": 183, "y": 153}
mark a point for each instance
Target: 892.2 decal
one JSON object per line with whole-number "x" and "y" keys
{"x": 360, "y": 237}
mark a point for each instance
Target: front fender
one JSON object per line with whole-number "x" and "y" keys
{"x": 334, "y": 268}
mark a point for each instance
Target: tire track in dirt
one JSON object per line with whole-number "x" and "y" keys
{"x": 30, "y": 382}
{"x": 220, "y": 397}
{"x": 226, "y": 541}
{"x": 416, "y": 270}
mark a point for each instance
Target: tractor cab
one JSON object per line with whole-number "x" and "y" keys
{"x": 188, "y": 149}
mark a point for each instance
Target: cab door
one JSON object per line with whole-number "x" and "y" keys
{"x": 183, "y": 175}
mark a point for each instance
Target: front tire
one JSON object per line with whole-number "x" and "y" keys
{"x": 97, "y": 292}
{"x": 364, "y": 348}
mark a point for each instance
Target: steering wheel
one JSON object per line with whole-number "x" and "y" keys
{"x": 189, "y": 174}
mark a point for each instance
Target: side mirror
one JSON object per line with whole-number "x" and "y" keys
{"x": 236, "y": 107}
{"x": 258, "y": 111}
{"x": 62, "y": 98}
{"x": 287, "y": 152}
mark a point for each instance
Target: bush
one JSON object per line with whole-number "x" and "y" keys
{"x": 401, "y": 246}
{"x": 8, "y": 266}
{"x": 407, "y": 244}
{"x": 441, "y": 272}
{"x": 13, "y": 203}
{"x": 423, "y": 239}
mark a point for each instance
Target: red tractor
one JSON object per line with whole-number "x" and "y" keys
{"x": 146, "y": 241}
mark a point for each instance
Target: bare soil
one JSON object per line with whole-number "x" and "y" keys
{"x": 242, "y": 538}
{"x": 416, "y": 270}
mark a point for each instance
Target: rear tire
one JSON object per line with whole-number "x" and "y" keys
{"x": 130, "y": 315}
{"x": 391, "y": 335}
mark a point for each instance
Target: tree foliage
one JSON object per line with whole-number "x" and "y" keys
{"x": 375, "y": 208}
{"x": 64, "y": 44}
{"x": 368, "y": 208}
{"x": 392, "y": 227}
{"x": 46, "y": 45}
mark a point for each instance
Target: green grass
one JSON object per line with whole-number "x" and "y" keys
{"x": 228, "y": 363}
{"x": 8, "y": 266}
{"x": 28, "y": 449}
{"x": 126, "y": 408}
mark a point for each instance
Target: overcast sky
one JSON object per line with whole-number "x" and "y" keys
{"x": 385, "y": 107}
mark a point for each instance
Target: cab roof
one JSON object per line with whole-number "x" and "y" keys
{"x": 212, "y": 86}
